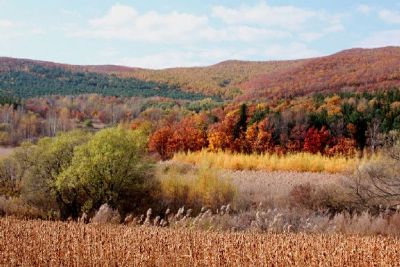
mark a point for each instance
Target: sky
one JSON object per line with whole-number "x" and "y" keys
{"x": 179, "y": 33}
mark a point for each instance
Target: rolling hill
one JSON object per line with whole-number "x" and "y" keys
{"x": 25, "y": 78}
{"x": 353, "y": 70}
{"x": 224, "y": 79}
{"x": 349, "y": 70}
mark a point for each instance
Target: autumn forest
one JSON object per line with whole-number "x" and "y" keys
{"x": 291, "y": 151}
{"x": 343, "y": 116}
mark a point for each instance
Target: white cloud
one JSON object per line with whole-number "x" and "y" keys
{"x": 288, "y": 17}
{"x": 334, "y": 23}
{"x": 124, "y": 22}
{"x": 6, "y": 24}
{"x": 381, "y": 39}
{"x": 14, "y": 29}
{"x": 309, "y": 25}
{"x": 259, "y": 32}
{"x": 245, "y": 24}
{"x": 118, "y": 15}
{"x": 69, "y": 12}
{"x": 202, "y": 57}
{"x": 244, "y": 34}
{"x": 364, "y": 9}
{"x": 35, "y": 30}
{"x": 389, "y": 16}
{"x": 285, "y": 17}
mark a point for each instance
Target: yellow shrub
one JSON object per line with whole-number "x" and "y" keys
{"x": 211, "y": 189}
{"x": 175, "y": 187}
{"x": 195, "y": 188}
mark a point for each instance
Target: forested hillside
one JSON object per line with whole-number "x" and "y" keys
{"x": 27, "y": 79}
{"x": 354, "y": 70}
{"x": 224, "y": 79}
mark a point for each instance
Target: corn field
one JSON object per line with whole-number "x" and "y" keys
{"x": 43, "y": 243}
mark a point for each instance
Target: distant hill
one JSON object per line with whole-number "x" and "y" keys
{"x": 224, "y": 79}
{"x": 349, "y": 70}
{"x": 15, "y": 64}
{"x": 26, "y": 78}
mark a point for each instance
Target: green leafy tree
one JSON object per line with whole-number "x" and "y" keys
{"x": 111, "y": 168}
{"x": 38, "y": 167}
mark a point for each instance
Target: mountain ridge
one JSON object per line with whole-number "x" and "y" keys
{"x": 354, "y": 69}
{"x": 348, "y": 70}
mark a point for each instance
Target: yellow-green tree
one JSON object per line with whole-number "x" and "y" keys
{"x": 111, "y": 168}
{"x": 38, "y": 166}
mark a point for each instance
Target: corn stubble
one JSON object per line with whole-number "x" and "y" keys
{"x": 40, "y": 243}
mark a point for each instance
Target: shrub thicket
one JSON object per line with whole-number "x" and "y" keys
{"x": 377, "y": 183}
{"x": 77, "y": 172}
{"x": 195, "y": 188}
{"x": 111, "y": 168}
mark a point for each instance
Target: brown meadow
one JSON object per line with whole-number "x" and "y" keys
{"x": 44, "y": 243}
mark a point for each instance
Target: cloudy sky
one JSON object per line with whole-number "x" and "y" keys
{"x": 166, "y": 33}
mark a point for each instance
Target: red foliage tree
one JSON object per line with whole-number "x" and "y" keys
{"x": 316, "y": 140}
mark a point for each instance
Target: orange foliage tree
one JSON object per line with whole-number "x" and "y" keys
{"x": 229, "y": 134}
{"x": 220, "y": 135}
{"x": 344, "y": 146}
{"x": 187, "y": 135}
{"x": 259, "y": 140}
{"x": 159, "y": 142}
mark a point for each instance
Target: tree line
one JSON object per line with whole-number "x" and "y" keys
{"x": 331, "y": 125}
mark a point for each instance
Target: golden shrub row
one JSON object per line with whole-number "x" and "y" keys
{"x": 302, "y": 162}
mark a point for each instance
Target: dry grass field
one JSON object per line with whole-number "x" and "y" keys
{"x": 5, "y": 151}
{"x": 274, "y": 187}
{"x": 41, "y": 243}
{"x": 270, "y": 189}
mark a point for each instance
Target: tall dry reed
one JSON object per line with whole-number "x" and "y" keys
{"x": 301, "y": 162}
